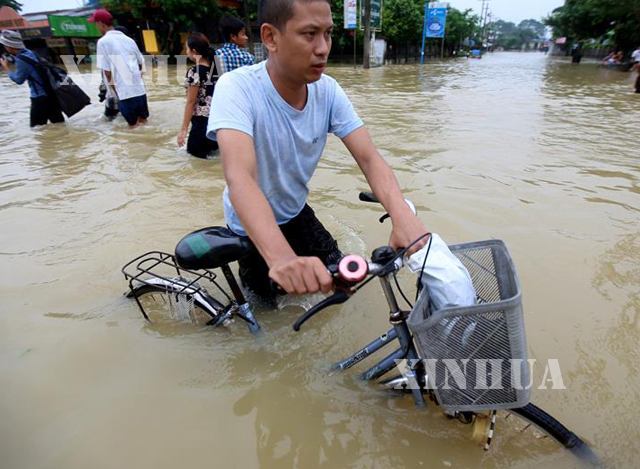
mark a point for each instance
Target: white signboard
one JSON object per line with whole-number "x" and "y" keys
{"x": 350, "y": 14}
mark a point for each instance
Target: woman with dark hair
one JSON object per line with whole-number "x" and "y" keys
{"x": 200, "y": 81}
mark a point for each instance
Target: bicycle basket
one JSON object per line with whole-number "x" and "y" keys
{"x": 476, "y": 356}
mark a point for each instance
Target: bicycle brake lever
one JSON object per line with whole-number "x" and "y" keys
{"x": 337, "y": 298}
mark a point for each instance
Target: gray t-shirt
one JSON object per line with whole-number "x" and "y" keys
{"x": 288, "y": 143}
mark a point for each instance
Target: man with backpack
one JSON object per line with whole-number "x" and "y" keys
{"x": 44, "y": 105}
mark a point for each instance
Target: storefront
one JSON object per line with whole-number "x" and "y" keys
{"x": 54, "y": 33}
{"x": 78, "y": 35}
{"x": 33, "y": 31}
{"x": 35, "y": 39}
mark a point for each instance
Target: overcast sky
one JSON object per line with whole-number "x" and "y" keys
{"x": 33, "y": 6}
{"x": 508, "y": 10}
{"x": 512, "y": 10}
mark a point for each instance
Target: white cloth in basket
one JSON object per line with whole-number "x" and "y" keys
{"x": 447, "y": 281}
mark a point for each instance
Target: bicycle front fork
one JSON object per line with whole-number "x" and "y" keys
{"x": 399, "y": 332}
{"x": 243, "y": 309}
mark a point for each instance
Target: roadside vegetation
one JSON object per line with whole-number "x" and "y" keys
{"x": 609, "y": 23}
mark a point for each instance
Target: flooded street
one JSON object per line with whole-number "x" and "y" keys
{"x": 521, "y": 147}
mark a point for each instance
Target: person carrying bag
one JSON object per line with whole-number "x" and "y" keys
{"x": 70, "y": 96}
{"x": 44, "y": 107}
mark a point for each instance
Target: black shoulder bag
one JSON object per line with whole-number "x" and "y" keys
{"x": 59, "y": 85}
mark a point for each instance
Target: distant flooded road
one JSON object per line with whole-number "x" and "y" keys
{"x": 522, "y": 147}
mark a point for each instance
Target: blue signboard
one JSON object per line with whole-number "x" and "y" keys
{"x": 436, "y": 20}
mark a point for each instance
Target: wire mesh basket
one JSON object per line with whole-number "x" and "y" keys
{"x": 476, "y": 356}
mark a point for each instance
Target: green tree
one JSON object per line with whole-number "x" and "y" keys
{"x": 511, "y": 37}
{"x": 592, "y": 19}
{"x": 504, "y": 28}
{"x": 460, "y": 25}
{"x": 537, "y": 27}
{"x": 402, "y": 21}
{"x": 17, "y": 6}
{"x": 342, "y": 40}
{"x": 168, "y": 17}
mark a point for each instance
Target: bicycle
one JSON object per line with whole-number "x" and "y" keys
{"x": 420, "y": 333}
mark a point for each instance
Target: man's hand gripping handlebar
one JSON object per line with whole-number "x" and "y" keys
{"x": 350, "y": 271}
{"x": 353, "y": 269}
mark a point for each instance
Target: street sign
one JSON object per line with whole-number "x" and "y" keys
{"x": 376, "y": 15}
{"x": 350, "y": 14}
{"x": 72, "y": 26}
{"x": 436, "y": 19}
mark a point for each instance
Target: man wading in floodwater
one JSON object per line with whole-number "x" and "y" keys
{"x": 271, "y": 121}
{"x": 44, "y": 104}
{"x": 121, "y": 63}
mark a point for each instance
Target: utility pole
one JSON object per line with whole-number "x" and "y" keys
{"x": 485, "y": 28}
{"x": 489, "y": 23}
{"x": 367, "y": 35}
{"x": 483, "y": 17}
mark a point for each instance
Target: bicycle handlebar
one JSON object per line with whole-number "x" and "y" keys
{"x": 352, "y": 270}
{"x": 368, "y": 197}
{"x": 337, "y": 298}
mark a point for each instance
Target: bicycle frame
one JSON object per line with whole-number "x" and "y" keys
{"x": 400, "y": 332}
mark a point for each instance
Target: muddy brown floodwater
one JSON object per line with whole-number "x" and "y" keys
{"x": 521, "y": 147}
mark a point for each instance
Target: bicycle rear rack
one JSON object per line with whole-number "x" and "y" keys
{"x": 145, "y": 268}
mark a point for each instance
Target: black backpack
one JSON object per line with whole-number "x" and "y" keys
{"x": 59, "y": 85}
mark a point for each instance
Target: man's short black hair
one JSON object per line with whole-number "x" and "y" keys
{"x": 278, "y": 12}
{"x": 230, "y": 25}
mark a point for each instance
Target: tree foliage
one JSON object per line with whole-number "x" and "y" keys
{"x": 509, "y": 36}
{"x": 460, "y": 25}
{"x": 403, "y": 21}
{"x": 168, "y": 17}
{"x": 593, "y": 19}
{"x": 538, "y": 28}
{"x": 17, "y": 6}
{"x": 174, "y": 11}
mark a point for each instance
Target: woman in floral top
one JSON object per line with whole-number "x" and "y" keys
{"x": 200, "y": 81}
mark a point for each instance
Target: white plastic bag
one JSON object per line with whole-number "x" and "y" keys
{"x": 447, "y": 281}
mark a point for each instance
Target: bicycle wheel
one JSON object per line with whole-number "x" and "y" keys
{"x": 531, "y": 414}
{"x": 163, "y": 301}
{"x": 551, "y": 427}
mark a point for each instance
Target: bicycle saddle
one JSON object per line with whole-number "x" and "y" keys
{"x": 209, "y": 248}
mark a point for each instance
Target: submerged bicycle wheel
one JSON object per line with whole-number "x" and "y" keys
{"x": 549, "y": 426}
{"x": 534, "y": 422}
{"x": 530, "y": 418}
{"x": 164, "y": 304}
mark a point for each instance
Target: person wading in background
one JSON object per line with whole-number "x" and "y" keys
{"x": 234, "y": 33}
{"x": 105, "y": 93}
{"x": 635, "y": 58}
{"x": 199, "y": 82}
{"x": 44, "y": 105}
{"x": 122, "y": 63}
